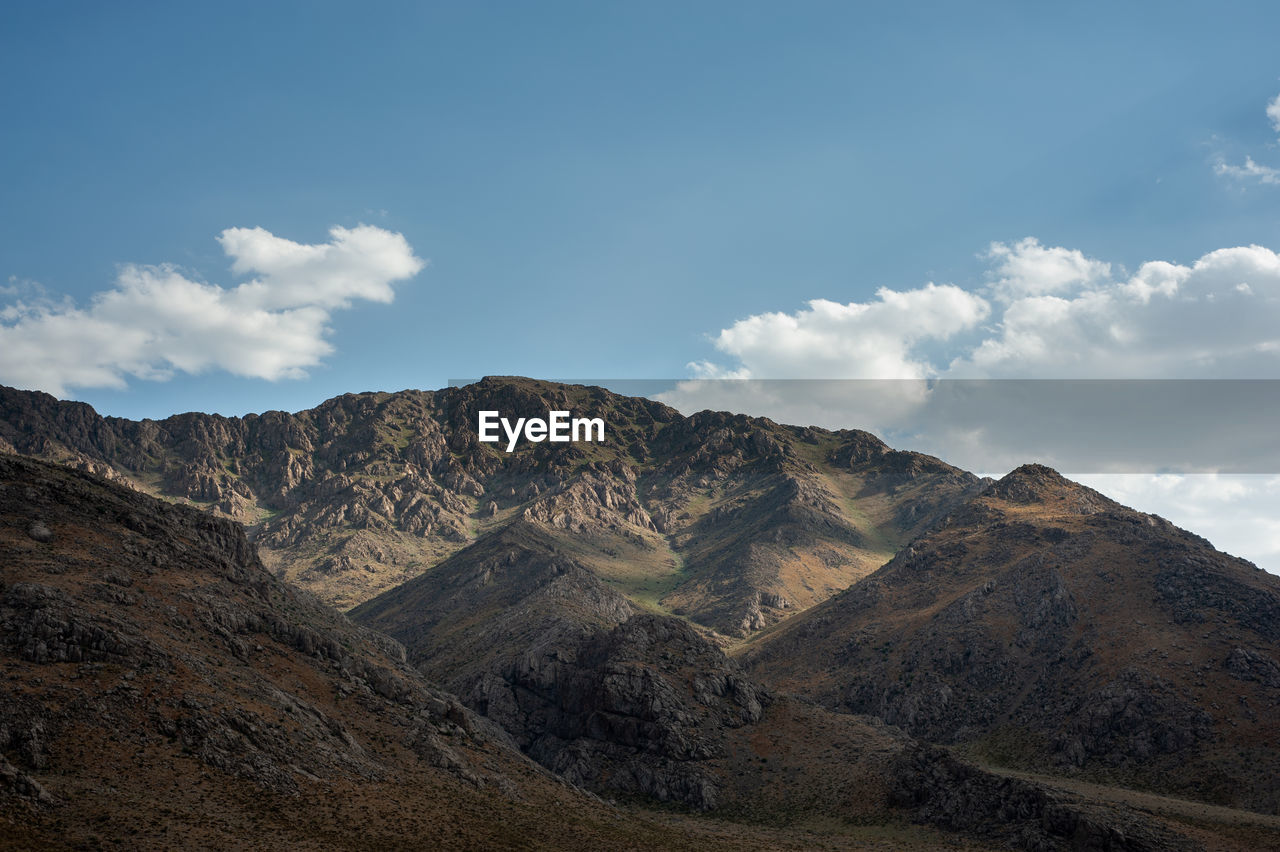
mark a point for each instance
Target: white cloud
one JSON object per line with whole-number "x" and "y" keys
{"x": 872, "y": 340}
{"x": 1027, "y": 268}
{"x": 1060, "y": 315}
{"x": 1273, "y": 112}
{"x": 855, "y": 340}
{"x": 360, "y": 263}
{"x": 1216, "y": 318}
{"x": 157, "y": 321}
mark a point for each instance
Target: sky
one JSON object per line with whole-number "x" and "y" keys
{"x": 250, "y": 206}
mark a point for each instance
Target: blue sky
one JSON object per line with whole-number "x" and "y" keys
{"x": 622, "y": 190}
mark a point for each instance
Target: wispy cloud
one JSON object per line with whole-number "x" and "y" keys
{"x": 158, "y": 321}
{"x": 1253, "y": 171}
{"x": 1249, "y": 171}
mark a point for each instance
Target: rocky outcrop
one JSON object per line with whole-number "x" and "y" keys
{"x": 641, "y": 708}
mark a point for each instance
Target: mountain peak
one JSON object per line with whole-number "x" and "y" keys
{"x": 1033, "y": 484}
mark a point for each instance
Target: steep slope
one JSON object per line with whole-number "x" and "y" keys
{"x": 645, "y": 704}
{"x": 731, "y": 521}
{"x": 163, "y": 691}
{"x": 512, "y": 594}
{"x": 1045, "y": 625}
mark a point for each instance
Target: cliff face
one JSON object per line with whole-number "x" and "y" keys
{"x": 730, "y": 521}
{"x": 1047, "y": 626}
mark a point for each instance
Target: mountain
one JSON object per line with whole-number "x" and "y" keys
{"x": 774, "y": 623}
{"x": 1045, "y": 626}
{"x": 730, "y": 521}
{"x": 164, "y": 690}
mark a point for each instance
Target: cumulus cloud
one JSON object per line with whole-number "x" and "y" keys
{"x": 1218, "y": 317}
{"x": 1252, "y": 171}
{"x": 1053, "y": 313}
{"x": 1027, "y": 268}
{"x": 1058, "y": 314}
{"x": 873, "y": 339}
{"x": 157, "y": 320}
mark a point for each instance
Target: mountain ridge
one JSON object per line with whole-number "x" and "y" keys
{"x": 737, "y": 522}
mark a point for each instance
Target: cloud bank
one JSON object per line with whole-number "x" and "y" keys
{"x": 157, "y": 321}
{"x": 1041, "y": 312}
{"x": 1239, "y": 514}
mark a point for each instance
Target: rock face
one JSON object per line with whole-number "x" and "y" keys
{"x": 1045, "y": 625}
{"x": 642, "y": 708}
{"x": 733, "y": 522}
{"x": 162, "y": 689}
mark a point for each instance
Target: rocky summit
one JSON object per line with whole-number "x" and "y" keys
{"x": 783, "y": 637}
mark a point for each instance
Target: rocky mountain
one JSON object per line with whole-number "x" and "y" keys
{"x": 579, "y": 599}
{"x": 732, "y": 522}
{"x": 163, "y": 689}
{"x": 1042, "y": 625}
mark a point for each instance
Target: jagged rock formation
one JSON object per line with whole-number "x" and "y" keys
{"x": 1045, "y": 625}
{"x": 733, "y": 522}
